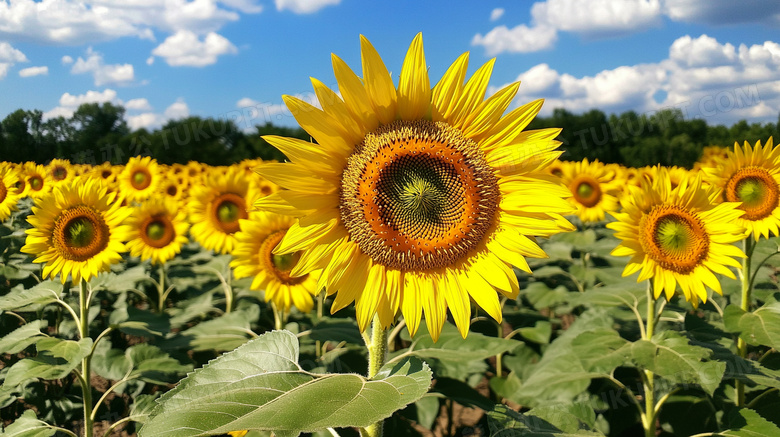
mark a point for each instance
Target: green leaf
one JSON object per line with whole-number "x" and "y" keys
{"x": 749, "y": 424}
{"x": 540, "y": 333}
{"x": 55, "y": 360}
{"x": 151, "y": 364}
{"x": 260, "y": 386}
{"x": 462, "y": 393}
{"x": 629, "y": 294}
{"x": 223, "y": 333}
{"x": 671, "y": 357}
{"x": 23, "y": 336}
{"x": 28, "y": 425}
{"x": 134, "y": 321}
{"x": 761, "y": 327}
{"x": 427, "y": 410}
{"x": 337, "y": 330}
{"x": 452, "y": 347}
{"x": 564, "y": 421}
{"x": 119, "y": 282}
{"x": 31, "y": 299}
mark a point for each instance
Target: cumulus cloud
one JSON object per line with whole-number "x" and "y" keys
{"x": 103, "y": 74}
{"x": 496, "y": 13}
{"x": 723, "y": 12}
{"x": 138, "y": 105}
{"x": 304, "y": 6}
{"x": 519, "y": 39}
{"x": 67, "y": 60}
{"x": 34, "y": 71}
{"x": 185, "y": 48}
{"x": 153, "y": 120}
{"x": 76, "y": 22}
{"x": 742, "y": 82}
{"x": 69, "y": 102}
{"x": 8, "y": 57}
{"x": 609, "y": 18}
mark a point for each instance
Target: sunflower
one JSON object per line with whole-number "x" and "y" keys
{"x": 253, "y": 257}
{"x": 593, "y": 187}
{"x": 77, "y": 230}
{"x": 216, "y": 208}
{"x": 9, "y": 194}
{"x": 60, "y": 171}
{"x": 678, "y": 236}
{"x": 416, "y": 199}
{"x": 158, "y": 229}
{"x": 140, "y": 178}
{"x": 37, "y": 183}
{"x": 751, "y": 175}
{"x": 106, "y": 172}
{"x": 172, "y": 186}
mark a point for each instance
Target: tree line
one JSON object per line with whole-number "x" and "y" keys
{"x": 98, "y": 132}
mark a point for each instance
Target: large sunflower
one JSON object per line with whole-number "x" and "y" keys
{"x": 416, "y": 199}
{"x": 158, "y": 229}
{"x": 678, "y": 236}
{"x": 77, "y": 230}
{"x": 253, "y": 257}
{"x": 216, "y": 207}
{"x": 751, "y": 175}
{"x": 593, "y": 187}
{"x": 140, "y": 178}
{"x": 9, "y": 195}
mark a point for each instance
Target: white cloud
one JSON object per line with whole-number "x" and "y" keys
{"x": 76, "y": 22}
{"x": 184, "y": 48}
{"x": 304, "y": 6}
{"x": 177, "y": 110}
{"x": 246, "y": 102}
{"x": 66, "y": 60}
{"x": 598, "y": 16}
{"x": 150, "y": 60}
{"x": 8, "y": 57}
{"x": 102, "y": 73}
{"x": 153, "y": 120}
{"x": 743, "y": 82}
{"x": 138, "y": 105}
{"x": 69, "y": 102}
{"x": 496, "y": 13}
{"x": 703, "y": 51}
{"x": 724, "y": 12}
{"x": 34, "y": 71}
{"x": 519, "y": 39}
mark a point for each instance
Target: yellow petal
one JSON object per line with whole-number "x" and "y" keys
{"x": 319, "y": 125}
{"x": 414, "y": 87}
{"x": 355, "y": 95}
{"x": 378, "y": 82}
{"x": 446, "y": 93}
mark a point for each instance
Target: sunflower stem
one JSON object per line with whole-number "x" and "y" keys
{"x": 499, "y": 356}
{"x": 320, "y": 303}
{"x": 648, "y": 420}
{"x": 228, "y": 292}
{"x": 86, "y": 362}
{"x": 277, "y": 317}
{"x": 745, "y": 305}
{"x": 377, "y": 353}
{"x": 161, "y": 289}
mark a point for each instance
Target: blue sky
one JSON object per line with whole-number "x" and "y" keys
{"x": 164, "y": 59}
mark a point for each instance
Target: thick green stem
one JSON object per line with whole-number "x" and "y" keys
{"x": 86, "y": 363}
{"x": 277, "y": 317}
{"x": 161, "y": 289}
{"x": 377, "y": 353}
{"x": 648, "y": 420}
{"x": 499, "y": 356}
{"x": 745, "y": 305}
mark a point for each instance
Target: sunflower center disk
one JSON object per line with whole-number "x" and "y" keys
{"x": 756, "y": 189}
{"x": 141, "y": 179}
{"x": 674, "y": 238}
{"x": 586, "y": 191}
{"x": 279, "y": 265}
{"x": 3, "y": 191}
{"x": 59, "y": 173}
{"x": 158, "y": 231}
{"x": 417, "y": 195}
{"x": 80, "y": 233}
{"x": 228, "y": 209}
{"x": 36, "y": 183}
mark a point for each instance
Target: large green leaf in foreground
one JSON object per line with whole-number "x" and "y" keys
{"x": 261, "y": 386}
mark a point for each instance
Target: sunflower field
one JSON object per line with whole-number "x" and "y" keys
{"x": 423, "y": 266}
